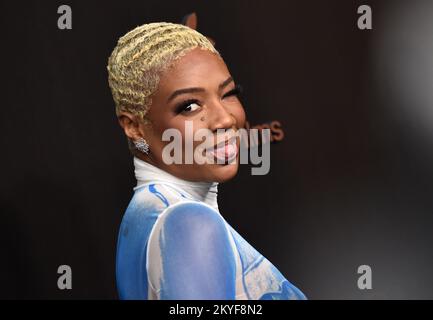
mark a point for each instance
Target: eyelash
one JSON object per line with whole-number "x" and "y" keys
{"x": 236, "y": 91}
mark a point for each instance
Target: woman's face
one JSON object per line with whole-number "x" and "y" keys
{"x": 198, "y": 88}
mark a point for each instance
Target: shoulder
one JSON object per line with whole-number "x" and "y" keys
{"x": 189, "y": 252}
{"x": 189, "y": 226}
{"x": 190, "y": 217}
{"x": 188, "y": 236}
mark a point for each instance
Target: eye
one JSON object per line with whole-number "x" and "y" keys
{"x": 187, "y": 106}
{"x": 191, "y": 107}
{"x": 236, "y": 91}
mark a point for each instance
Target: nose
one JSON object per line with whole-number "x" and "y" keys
{"x": 220, "y": 117}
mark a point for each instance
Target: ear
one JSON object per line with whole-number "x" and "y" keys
{"x": 130, "y": 124}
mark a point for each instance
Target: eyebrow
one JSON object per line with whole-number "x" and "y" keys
{"x": 221, "y": 86}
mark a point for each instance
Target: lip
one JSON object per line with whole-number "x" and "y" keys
{"x": 222, "y": 143}
{"x": 225, "y": 151}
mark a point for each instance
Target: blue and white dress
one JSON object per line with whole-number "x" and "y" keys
{"x": 174, "y": 244}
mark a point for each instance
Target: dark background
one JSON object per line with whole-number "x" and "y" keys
{"x": 350, "y": 184}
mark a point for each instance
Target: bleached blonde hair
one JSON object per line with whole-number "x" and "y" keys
{"x": 140, "y": 56}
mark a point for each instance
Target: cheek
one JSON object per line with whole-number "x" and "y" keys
{"x": 184, "y": 128}
{"x": 159, "y": 125}
{"x": 166, "y": 121}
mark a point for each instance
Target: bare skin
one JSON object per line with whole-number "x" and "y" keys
{"x": 214, "y": 107}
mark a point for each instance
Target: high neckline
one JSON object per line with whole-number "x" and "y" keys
{"x": 146, "y": 173}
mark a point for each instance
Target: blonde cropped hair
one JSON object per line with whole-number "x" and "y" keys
{"x": 139, "y": 58}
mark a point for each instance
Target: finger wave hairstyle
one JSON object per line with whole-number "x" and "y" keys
{"x": 139, "y": 58}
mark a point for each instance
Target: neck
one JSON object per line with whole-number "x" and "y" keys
{"x": 146, "y": 173}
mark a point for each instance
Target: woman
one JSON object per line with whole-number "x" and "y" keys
{"x": 173, "y": 242}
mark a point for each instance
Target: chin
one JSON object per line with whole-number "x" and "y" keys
{"x": 223, "y": 173}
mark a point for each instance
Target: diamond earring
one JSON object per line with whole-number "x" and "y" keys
{"x": 142, "y": 145}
